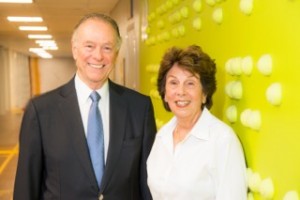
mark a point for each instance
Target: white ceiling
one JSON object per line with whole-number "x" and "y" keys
{"x": 60, "y": 16}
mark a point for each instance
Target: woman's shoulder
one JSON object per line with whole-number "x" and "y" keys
{"x": 167, "y": 127}
{"x": 218, "y": 127}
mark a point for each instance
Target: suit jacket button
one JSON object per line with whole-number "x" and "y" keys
{"x": 101, "y": 197}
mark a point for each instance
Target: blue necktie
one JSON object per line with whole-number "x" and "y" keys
{"x": 95, "y": 137}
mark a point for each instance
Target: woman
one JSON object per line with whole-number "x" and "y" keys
{"x": 195, "y": 156}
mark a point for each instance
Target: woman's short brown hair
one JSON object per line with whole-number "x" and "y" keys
{"x": 194, "y": 60}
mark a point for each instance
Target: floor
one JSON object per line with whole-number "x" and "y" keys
{"x": 9, "y": 136}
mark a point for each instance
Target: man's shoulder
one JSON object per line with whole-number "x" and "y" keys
{"x": 55, "y": 93}
{"x": 126, "y": 91}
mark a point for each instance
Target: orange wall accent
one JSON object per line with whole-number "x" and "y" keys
{"x": 34, "y": 76}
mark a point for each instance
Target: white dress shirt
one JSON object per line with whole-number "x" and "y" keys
{"x": 208, "y": 164}
{"x": 84, "y": 100}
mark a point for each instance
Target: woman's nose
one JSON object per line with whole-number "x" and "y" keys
{"x": 180, "y": 90}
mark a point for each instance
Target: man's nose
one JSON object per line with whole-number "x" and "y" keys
{"x": 98, "y": 54}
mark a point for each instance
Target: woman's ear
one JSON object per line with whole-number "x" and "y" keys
{"x": 204, "y": 99}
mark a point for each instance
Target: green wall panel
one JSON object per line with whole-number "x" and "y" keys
{"x": 269, "y": 28}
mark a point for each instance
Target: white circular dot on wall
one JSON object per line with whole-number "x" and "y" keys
{"x": 274, "y": 94}
{"x": 254, "y": 180}
{"x": 210, "y": 2}
{"x": 181, "y": 30}
{"x": 177, "y": 16}
{"x": 169, "y": 4}
{"x": 159, "y": 10}
{"x": 166, "y": 36}
{"x": 151, "y": 40}
{"x": 234, "y": 66}
{"x": 246, "y": 6}
{"x": 171, "y": 19}
{"x": 231, "y": 114}
{"x": 151, "y": 17}
{"x": 153, "y": 80}
{"x": 197, "y": 5}
{"x": 152, "y": 68}
{"x": 251, "y": 119}
{"x": 184, "y": 12}
{"x": 265, "y": 64}
{"x": 291, "y": 195}
{"x": 218, "y": 15}
{"x": 266, "y": 188}
{"x": 234, "y": 89}
{"x": 197, "y": 23}
{"x": 247, "y": 65}
{"x": 160, "y": 24}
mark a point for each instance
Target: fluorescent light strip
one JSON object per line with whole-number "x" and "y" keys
{"x": 46, "y": 42}
{"x": 41, "y": 52}
{"x": 33, "y": 28}
{"x": 45, "y": 55}
{"x": 15, "y": 1}
{"x": 50, "y": 47}
{"x": 24, "y": 19}
{"x": 33, "y": 36}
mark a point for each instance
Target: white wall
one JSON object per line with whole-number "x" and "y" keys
{"x": 20, "y": 87}
{"x": 127, "y": 66}
{"x": 14, "y": 81}
{"x": 55, "y": 72}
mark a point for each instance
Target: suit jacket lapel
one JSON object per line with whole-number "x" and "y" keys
{"x": 118, "y": 109}
{"x": 72, "y": 118}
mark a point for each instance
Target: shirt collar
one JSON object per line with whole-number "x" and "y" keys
{"x": 200, "y": 129}
{"x": 85, "y": 91}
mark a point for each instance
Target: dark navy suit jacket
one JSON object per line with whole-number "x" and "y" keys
{"x": 54, "y": 160}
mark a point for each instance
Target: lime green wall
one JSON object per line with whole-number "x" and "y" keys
{"x": 273, "y": 28}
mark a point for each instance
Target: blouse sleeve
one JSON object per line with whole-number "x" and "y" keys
{"x": 231, "y": 181}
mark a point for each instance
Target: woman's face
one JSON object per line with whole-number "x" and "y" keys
{"x": 184, "y": 93}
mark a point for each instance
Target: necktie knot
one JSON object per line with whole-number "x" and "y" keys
{"x": 95, "y": 96}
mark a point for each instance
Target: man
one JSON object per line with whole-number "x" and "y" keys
{"x": 55, "y": 160}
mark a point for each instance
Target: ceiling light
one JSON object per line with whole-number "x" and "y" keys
{"x": 36, "y": 50}
{"x": 42, "y": 42}
{"x": 15, "y": 1}
{"x": 24, "y": 19}
{"x": 33, "y": 28}
{"x": 47, "y": 44}
{"x": 33, "y": 36}
{"x": 40, "y": 52}
{"x": 50, "y": 47}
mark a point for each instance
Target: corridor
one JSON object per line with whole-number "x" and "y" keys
{"x": 9, "y": 134}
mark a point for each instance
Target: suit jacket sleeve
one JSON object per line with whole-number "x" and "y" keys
{"x": 149, "y": 136}
{"x": 29, "y": 170}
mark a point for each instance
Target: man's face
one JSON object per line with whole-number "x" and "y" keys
{"x": 94, "y": 49}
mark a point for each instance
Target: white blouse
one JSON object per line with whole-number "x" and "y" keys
{"x": 208, "y": 164}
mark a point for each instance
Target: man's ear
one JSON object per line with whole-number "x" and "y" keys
{"x": 74, "y": 50}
